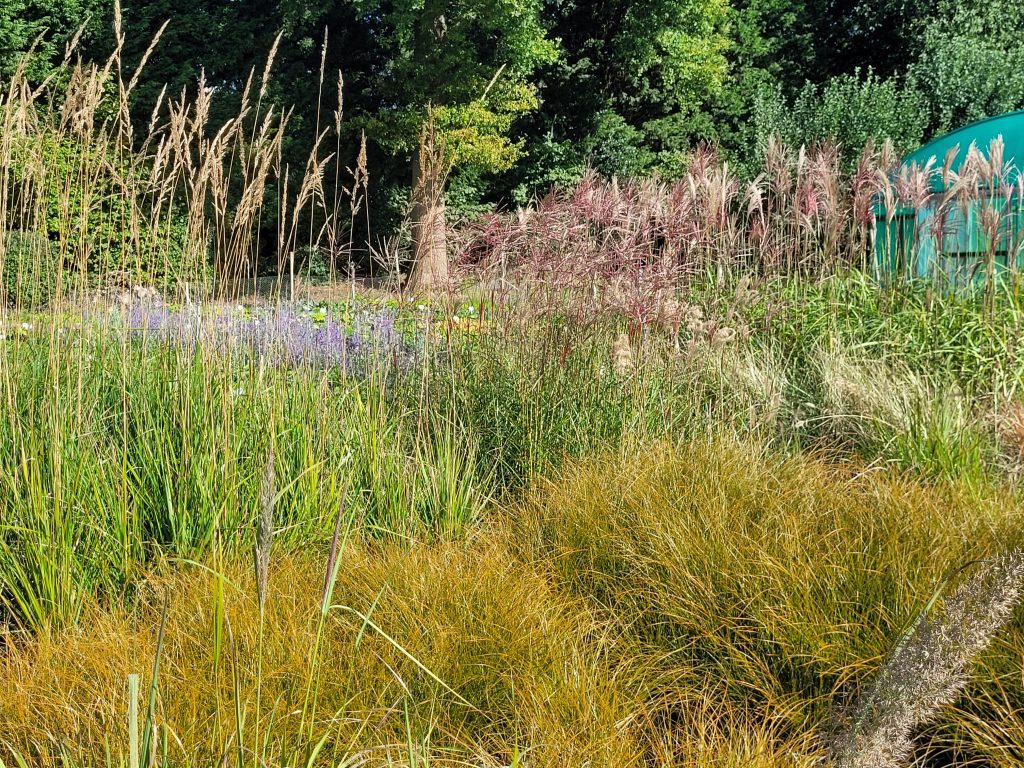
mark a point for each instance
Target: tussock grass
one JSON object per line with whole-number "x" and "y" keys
{"x": 518, "y": 651}
{"x": 685, "y": 606}
{"x": 811, "y": 536}
{"x": 764, "y": 578}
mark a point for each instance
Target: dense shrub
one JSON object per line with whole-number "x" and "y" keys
{"x": 30, "y": 270}
{"x": 850, "y": 110}
{"x": 92, "y": 205}
{"x": 971, "y": 65}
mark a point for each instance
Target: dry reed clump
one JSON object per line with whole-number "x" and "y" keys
{"x": 748, "y": 386}
{"x": 758, "y": 383}
{"x": 162, "y": 206}
{"x": 871, "y": 401}
{"x": 861, "y": 393}
{"x": 900, "y": 416}
{"x": 633, "y": 248}
{"x": 629, "y": 246}
{"x": 622, "y": 355}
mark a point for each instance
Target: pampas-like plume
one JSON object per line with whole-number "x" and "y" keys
{"x": 929, "y": 667}
{"x": 265, "y": 79}
{"x": 622, "y": 355}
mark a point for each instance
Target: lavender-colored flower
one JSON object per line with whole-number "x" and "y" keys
{"x": 282, "y": 336}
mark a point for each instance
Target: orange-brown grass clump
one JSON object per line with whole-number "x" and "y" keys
{"x": 694, "y": 606}
{"x": 514, "y": 662}
{"x": 776, "y": 586}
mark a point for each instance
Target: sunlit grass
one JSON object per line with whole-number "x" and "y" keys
{"x": 679, "y": 517}
{"x": 706, "y": 605}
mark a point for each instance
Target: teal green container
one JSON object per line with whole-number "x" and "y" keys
{"x": 950, "y": 245}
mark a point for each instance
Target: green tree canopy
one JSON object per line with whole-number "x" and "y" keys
{"x": 49, "y": 25}
{"x": 470, "y": 62}
{"x": 972, "y": 63}
{"x": 624, "y": 92}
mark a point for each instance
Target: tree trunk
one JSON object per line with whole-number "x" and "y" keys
{"x": 429, "y": 224}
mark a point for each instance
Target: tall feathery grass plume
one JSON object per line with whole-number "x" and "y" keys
{"x": 623, "y": 361}
{"x": 930, "y": 666}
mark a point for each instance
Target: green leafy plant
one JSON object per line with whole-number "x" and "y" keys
{"x": 849, "y": 109}
{"x": 30, "y": 272}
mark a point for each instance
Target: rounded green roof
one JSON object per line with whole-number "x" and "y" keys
{"x": 1010, "y": 126}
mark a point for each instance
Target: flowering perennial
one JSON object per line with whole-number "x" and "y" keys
{"x": 283, "y": 336}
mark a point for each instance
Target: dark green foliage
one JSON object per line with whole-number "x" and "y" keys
{"x": 971, "y": 64}
{"x": 884, "y": 35}
{"x": 93, "y": 206}
{"x": 626, "y": 89}
{"x": 312, "y": 263}
{"x": 222, "y": 40}
{"x": 770, "y": 44}
{"x": 45, "y": 27}
{"x": 901, "y": 70}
